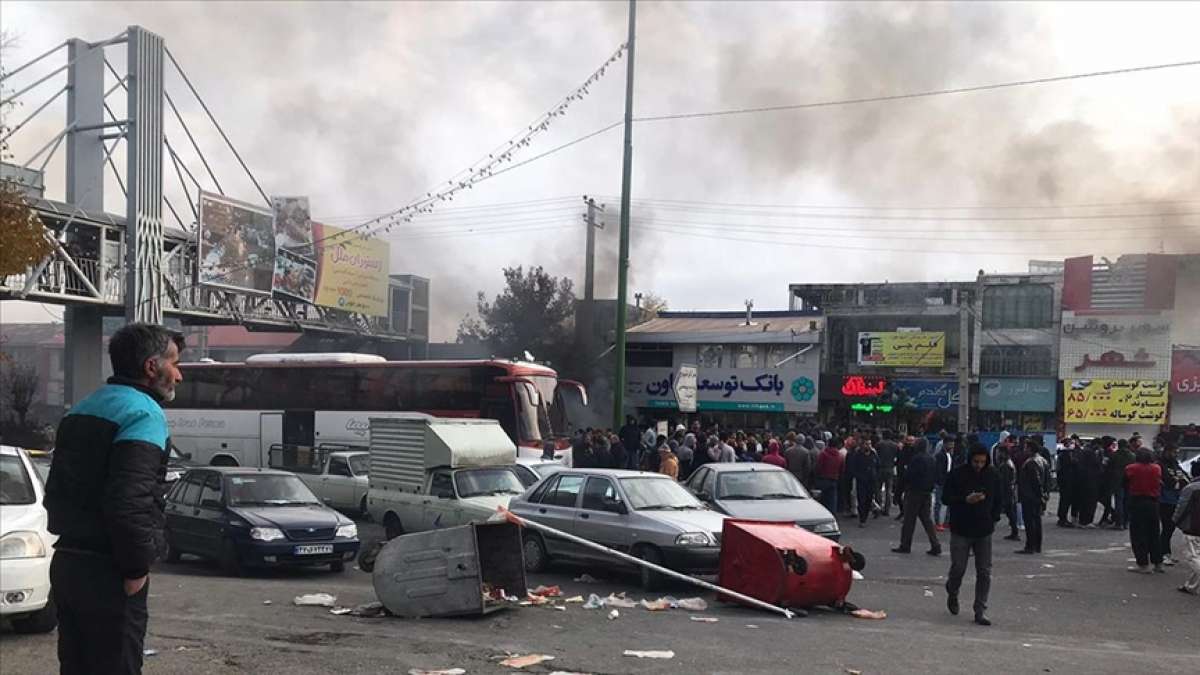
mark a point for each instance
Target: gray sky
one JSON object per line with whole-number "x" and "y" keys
{"x": 365, "y": 106}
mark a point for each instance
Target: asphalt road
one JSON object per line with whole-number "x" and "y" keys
{"x": 1072, "y": 610}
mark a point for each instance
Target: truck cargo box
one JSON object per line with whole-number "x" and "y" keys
{"x": 403, "y": 448}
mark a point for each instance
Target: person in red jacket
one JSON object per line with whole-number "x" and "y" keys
{"x": 1143, "y": 479}
{"x": 828, "y": 472}
{"x": 773, "y": 455}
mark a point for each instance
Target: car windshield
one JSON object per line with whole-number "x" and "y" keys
{"x": 360, "y": 464}
{"x": 650, "y": 494}
{"x": 487, "y": 482}
{"x": 759, "y": 485}
{"x": 42, "y": 466}
{"x": 272, "y": 489}
{"x": 16, "y": 487}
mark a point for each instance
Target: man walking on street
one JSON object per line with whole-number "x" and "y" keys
{"x": 888, "y": 450}
{"x": 1008, "y": 489}
{"x": 1187, "y": 518}
{"x": 1174, "y": 480}
{"x": 1143, "y": 479}
{"x": 941, "y": 469}
{"x": 972, "y": 493}
{"x": 105, "y": 501}
{"x": 917, "y": 487}
{"x": 1032, "y": 492}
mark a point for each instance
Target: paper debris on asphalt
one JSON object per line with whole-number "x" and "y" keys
{"x": 586, "y": 579}
{"x": 704, "y": 619}
{"x": 370, "y": 610}
{"x": 613, "y": 615}
{"x": 560, "y": 608}
{"x": 447, "y": 671}
{"x": 856, "y": 575}
{"x": 1026, "y": 644}
{"x": 652, "y": 654}
{"x": 928, "y": 593}
{"x": 619, "y": 600}
{"x": 751, "y": 626}
{"x": 869, "y": 614}
{"x": 574, "y": 598}
{"x": 339, "y": 611}
{"x": 266, "y": 602}
{"x": 536, "y": 599}
{"x": 1048, "y": 566}
{"x": 692, "y": 604}
{"x": 851, "y": 671}
{"x": 547, "y": 591}
{"x": 656, "y": 605}
{"x": 524, "y": 661}
{"x": 565, "y": 672}
{"x": 593, "y": 602}
{"x": 149, "y": 652}
{"x": 315, "y": 600}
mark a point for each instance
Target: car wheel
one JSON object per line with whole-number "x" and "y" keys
{"x": 42, "y": 621}
{"x": 536, "y": 558}
{"x": 231, "y": 564}
{"x": 173, "y": 553}
{"x": 337, "y": 566}
{"x": 651, "y": 581}
{"x": 392, "y": 527}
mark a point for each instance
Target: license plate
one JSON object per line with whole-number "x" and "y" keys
{"x": 314, "y": 549}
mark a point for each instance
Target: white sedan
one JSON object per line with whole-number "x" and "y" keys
{"x": 25, "y": 546}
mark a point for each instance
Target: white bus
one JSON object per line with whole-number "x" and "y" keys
{"x": 231, "y": 414}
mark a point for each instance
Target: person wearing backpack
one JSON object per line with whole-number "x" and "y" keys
{"x": 1187, "y": 519}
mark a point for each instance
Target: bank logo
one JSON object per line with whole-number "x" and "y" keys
{"x": 803, "y": 389}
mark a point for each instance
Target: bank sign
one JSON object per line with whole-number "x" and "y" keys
{"x": 1018, "y": 394}
{"x": 741, "y": 389}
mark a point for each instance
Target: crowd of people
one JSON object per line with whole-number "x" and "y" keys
{"x": 937, "y": 480}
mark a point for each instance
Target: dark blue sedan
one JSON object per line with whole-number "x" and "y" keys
{"x": 255, "y": 518}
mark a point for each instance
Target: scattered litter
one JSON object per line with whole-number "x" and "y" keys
{"x": 619, "y": 600}
{"x": 692, "y": 604}
{"x": 928, "y": 593}
{"x": 1134, "y": 595}
{"x": 525, "y": 603}
{"x": 149, "y": 652}
{"x": 1030, "y": 576}
{"x": 586, "y": 579}
{"x": 523, "y": 661}
{"x": 537, "y": 600}
{"x": 182, "y": 648}
{"x": 547, "y": 591}
{"x": 339, "y": 611}
{"x": 370, "y": 610}
{"x": 574, "y": 598}
{"x": 856, "y": 575}
{"x": 750, "y": 625}
{"x": 613, "y": 615}
{"x": 1048, "y": 566}
{"x": 315, "y": 600}
{"x": 560, "y": 608}
{"x": 869, "y": 614}
{"x": 495, "y": 595}
{"x": 564, "y": 672}
{"x": 656, "y": 605}
{"x": 448, "y": 671}
{"x": 266, "y": 602}
{"x": 704, "y": 619}
{"x": 668, "y": 654}
{"x": 593, "y": 602}
{"x": 1026, "y": 644}
{"x": 851, "y": 671}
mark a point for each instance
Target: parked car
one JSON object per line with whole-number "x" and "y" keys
{"x": 177, "y": 464}
{"x": 531, "y": 471}
{"x": 646, "y": 514}
{"x": 41, "y": 460}
{"x": 246, "y": 517}
{"x": 26, "y": 546}
{"x": 757, "y": 491}
{"x": 339, "y": 478}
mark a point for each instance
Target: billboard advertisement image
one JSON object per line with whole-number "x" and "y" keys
{"x": 236, "y": 245}
{"x": 352, "y": 272}
{"x": 1115, "y": 401}
{"x": 916, "y": 349}
{"x": 295, "y": 276}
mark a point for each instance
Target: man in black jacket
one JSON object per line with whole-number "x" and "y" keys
{"x": 1032, "y": 492}
{"x": 972, "y": 492}
{"x": 105, "y": 501}
{"x": 917, "y": 486}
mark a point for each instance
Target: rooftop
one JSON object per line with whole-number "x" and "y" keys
{"x": 764, "y": 327}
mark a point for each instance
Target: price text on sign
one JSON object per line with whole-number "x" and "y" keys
{"x": 1115, "y": 401}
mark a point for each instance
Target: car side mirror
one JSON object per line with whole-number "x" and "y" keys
{"x": 615, "y": 506}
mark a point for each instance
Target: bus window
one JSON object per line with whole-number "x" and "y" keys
{"x": 529, "y": 413}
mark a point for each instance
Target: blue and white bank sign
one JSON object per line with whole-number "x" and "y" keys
{"x": 748, "y": 389}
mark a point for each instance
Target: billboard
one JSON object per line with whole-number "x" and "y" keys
{"x": 1185, "y": 373}
{"x": 928, "y": 394}
{"x": 352, "y": 272}
{"x": 1115, "y": 401}
{"x": 1018, "y": 394}
{"x": 915, "y": 349}
{"x": 1126, "y": 345}
{"x": 236, "y": 245}
{"x": 742, "y": 389}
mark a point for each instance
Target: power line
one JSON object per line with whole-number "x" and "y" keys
{"x": 913, "y": 95}
{"x": 455, "y": 209}
{"x": 909, "y": 218}
{"x": 891, "y": 232}
{"x": 899, "y": 207}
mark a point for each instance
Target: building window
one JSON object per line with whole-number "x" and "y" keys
{"x": 1017, "y": 360}
{"x": 709, "y": 356}
{"x": 746, "y": 356}
{"x": 400, "y": 302}
{"x": 1018, "y": 306}
{"x": 649, "y": 355}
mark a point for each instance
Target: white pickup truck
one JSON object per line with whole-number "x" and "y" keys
{"x": 429, "y": 473}
{"x": 337, "y": 475}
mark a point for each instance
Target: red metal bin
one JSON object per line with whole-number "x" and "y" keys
{"x": 784, "y": 564}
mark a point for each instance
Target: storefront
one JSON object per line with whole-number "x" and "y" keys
{"x": 906, "y": 403}
{"x": 750, "y": 398}
{"x": 1025, "y": 404}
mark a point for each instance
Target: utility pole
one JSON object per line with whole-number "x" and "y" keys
{"x": 623, "y": 256}
{"x": 589, "y": 271}
{"x": 964, "y": 365}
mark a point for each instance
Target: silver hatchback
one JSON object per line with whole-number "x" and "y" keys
{"x": 647, "y": 515}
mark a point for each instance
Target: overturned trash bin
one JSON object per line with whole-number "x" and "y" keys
{"x": 455, "y": 571}
{"x": 785, "y": 565}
